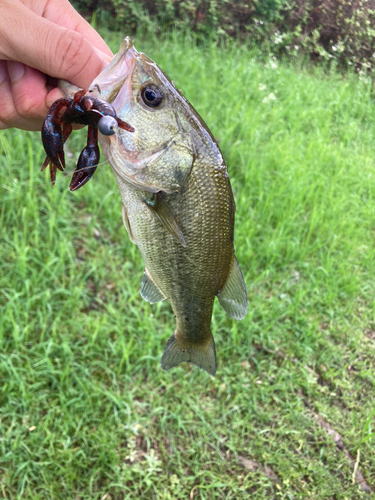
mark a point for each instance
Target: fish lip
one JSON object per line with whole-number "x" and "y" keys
{"x": 113, "y": 77}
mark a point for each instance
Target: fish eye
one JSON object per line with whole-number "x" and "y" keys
{"x": 107, "y": 125}
{"x": 152, "y": 96}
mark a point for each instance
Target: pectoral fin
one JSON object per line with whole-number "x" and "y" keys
{"x": 233, "y": 297}
{"x": 166, "y": 217}
{"x": 126, "y": 222}
{"x": 149, "y": 290}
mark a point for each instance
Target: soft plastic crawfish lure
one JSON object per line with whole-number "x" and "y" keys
{"x": 83, "y": 109}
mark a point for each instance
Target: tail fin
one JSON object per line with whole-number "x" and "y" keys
{"x": 179, "y": 350}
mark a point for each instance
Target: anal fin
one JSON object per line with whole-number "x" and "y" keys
{"x": 166, "y": 217}
{"x": 233, "y": 297}
{"x": 149, "y": 290}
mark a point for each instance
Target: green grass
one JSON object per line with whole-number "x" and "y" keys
{"x": 85, "y": 409}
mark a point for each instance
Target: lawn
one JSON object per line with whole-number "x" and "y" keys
{"x": 86, "y": 412}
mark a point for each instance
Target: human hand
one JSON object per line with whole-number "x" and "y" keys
{"x": 40, "y": 41}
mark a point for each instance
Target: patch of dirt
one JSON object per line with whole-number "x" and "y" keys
{"x": 253, "y": 466}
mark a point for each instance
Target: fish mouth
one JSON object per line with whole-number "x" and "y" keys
{"x": 114, "y": 85}
{"x": 110, "y": 83}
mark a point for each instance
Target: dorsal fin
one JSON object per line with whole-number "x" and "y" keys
{"x": 149, "y": 290}
{"x": 233, "y": 297}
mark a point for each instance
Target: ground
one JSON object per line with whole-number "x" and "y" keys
{"x": 86, "y": 411}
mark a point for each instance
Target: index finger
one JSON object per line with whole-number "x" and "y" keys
{"x": 52, "y": 49}
{"x": 61, "y": 12}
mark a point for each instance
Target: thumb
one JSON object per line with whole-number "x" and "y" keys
{"x": 52, "y": 49}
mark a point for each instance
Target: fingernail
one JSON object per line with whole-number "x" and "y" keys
{"x": 16, "y": 71}
{"x": 3, "y": 72}
{"x": 53, "y": 95}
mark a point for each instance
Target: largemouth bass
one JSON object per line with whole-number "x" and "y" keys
{"x": 178, "y": 205}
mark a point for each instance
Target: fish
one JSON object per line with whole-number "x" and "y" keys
{"x": 177, "y": 203}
